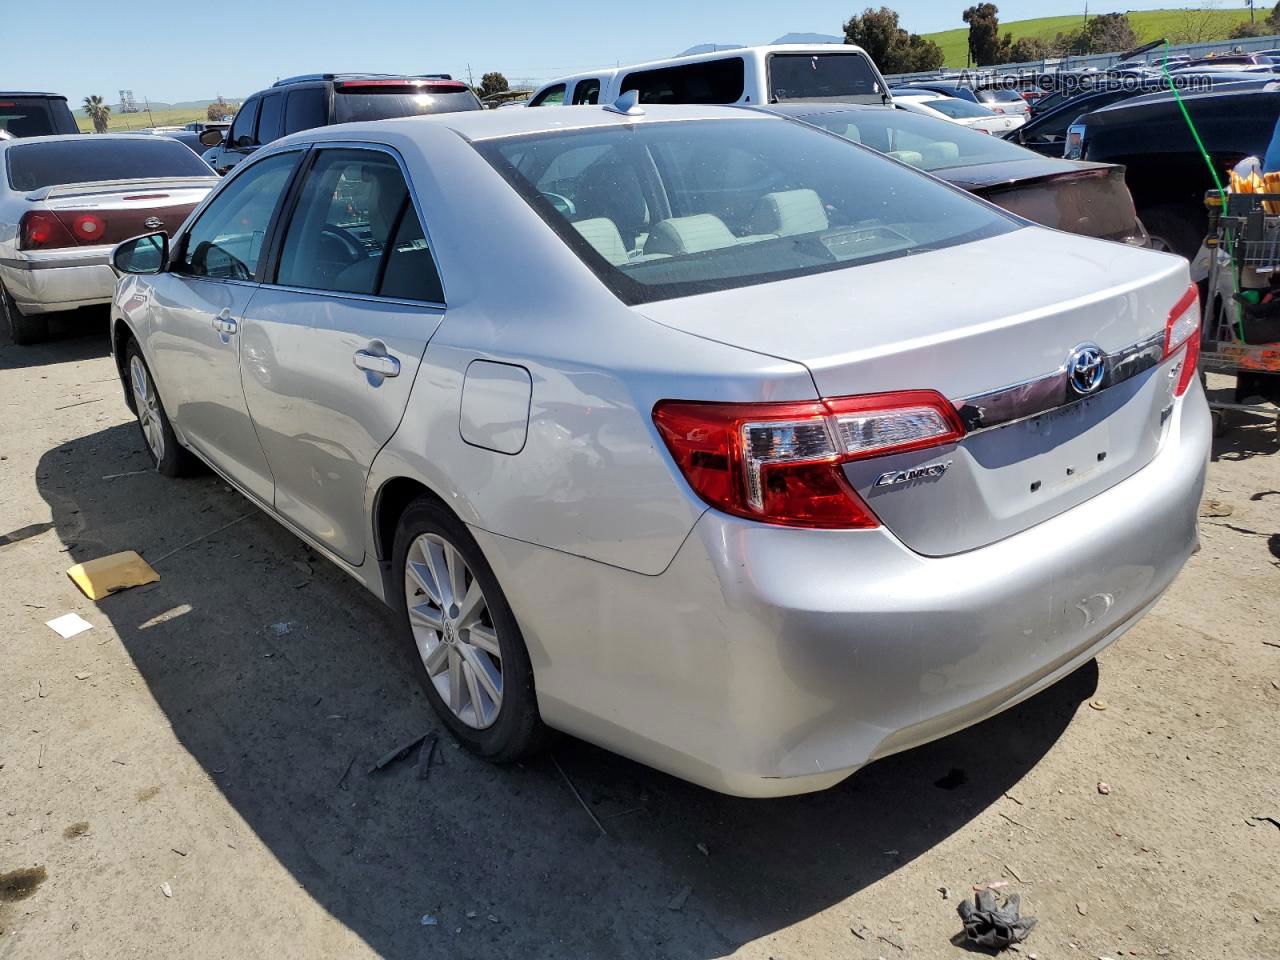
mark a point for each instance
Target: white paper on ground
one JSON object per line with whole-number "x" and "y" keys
{"x": 69, "y": 624}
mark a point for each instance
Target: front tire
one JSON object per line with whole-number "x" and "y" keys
{"x": 466, "y": 646}
{"x": 169, "y": 457}
{"x": 23, "y": 330}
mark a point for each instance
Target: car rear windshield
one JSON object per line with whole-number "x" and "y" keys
{"x": 929, "y": 143}
{"x": 27, "y": 116}
{"x": 372, "y": 103}
{"x": 998, "y": 95}
{"x": 88, "y": 159}
{"x": 824, "y": 76}
{"x": 955, "y": 108}
{"x": 663, "y": 210}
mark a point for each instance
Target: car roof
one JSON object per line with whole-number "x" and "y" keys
{"x": 78, "y": 138}
{"x": 490, "y": 124}
{"x": 1260, "y": 88}
{"x": 32, "y": 93}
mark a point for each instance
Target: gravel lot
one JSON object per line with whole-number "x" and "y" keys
{"x": 172, "y": 780}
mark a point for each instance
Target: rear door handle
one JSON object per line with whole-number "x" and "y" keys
{"x": 375, "y": 363}
{"x": 225, "y": 323}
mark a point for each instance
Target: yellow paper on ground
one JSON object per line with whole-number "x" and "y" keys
{"x": 107, "y": 575}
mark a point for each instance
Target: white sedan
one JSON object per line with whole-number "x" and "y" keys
{"x": 972, "y": 115}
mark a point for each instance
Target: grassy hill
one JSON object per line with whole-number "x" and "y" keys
{"x": 1150, "y": 25}
{"x": 175, "y": 115}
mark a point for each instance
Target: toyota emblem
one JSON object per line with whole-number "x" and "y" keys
{"x": 153, "y": 223}
{"x": 1085, "y": 368}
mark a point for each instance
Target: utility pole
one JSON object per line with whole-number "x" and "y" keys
{"x": 150, "y": 119}
{"x": 470, "y": 80}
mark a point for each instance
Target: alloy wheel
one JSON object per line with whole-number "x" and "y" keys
{"x": 453, "y": 630}
{"x": 148, "y": 404}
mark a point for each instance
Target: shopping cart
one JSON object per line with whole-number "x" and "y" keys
{"x": 1244, "y": 254}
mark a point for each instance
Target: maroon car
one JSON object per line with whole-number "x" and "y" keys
{"x": 1086, "y": 198}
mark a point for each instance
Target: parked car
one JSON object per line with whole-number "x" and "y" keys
{"x": 746, "y": 469}
{"x": 1226, "y": 60}
{"x": 66, "y": 200}
{"x": 1090, "y": 199}
{"x": 200, "y": 126}
{"x": 320, "y": 99}
{"x": 989, "y": 93}
{"x": 744, "y": 75}
{"x": 973, "y": 115}
{"x": 35, "y": 114}
{"x": 1165, "y": 170}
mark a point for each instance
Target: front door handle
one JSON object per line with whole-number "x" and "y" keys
{"x": 375, "y": 363}
{"x": 225, "y": 323}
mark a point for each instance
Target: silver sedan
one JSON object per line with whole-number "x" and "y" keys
{"x": 691, "y": 432}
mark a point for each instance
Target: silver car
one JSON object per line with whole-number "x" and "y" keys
{"x": 692, "y": 432}
{"x": 65, "y": 201}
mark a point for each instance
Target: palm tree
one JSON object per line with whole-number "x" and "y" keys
{"x": 98, "y": 111}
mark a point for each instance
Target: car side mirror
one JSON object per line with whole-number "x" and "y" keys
{"x": 141, "y": 255}
{"x": 244, "y": 140}
{"x": 211, "y": 137}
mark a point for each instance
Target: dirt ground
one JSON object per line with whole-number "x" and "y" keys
{"x": 189, "y": 778}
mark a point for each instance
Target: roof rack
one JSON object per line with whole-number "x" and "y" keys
{"x": 309, "y": 77}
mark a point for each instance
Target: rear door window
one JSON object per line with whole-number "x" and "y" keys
{"x": 825, "y": 76}
{"x": 354, "y": 230}
{"x": 710, "y": 81}
{"x": 305, "y": 109}
{"x": 89, "y": 159}
{"x": 550, "y": 97}
{"x": 271, "y": 118}
{"x": 241, "y": 134}
{"x": 225, "y": 243}
{"x": 586, "y": 92}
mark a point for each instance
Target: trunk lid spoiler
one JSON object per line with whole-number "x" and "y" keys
{"x": 115, "y": 186}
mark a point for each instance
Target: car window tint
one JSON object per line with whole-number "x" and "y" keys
{"x": 550, "y": 97}
{"x": 710, "y": 81}
{"x": 586, "y": 92}
{"x": 226, "y": 242}
{"x": 680, "y": 208}
{"x": 348, "y": 208}
{"x": 45, "y": 163}
{"x": 410, "y": 272}
{"x": 305, "y": 109}
{"x": 827, "y": 76}
{"x": 955, "y": 108}
{"x": 242, "y": 126}
{"x": 271, "y": 118}
{"x": 25, "y": 117}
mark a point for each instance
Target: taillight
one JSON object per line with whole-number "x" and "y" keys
{"x": 1183, "y": 327}
{"x": 41, "y": 230}
{"x": 88, "y": 228}
{"x": 781, "y": 462}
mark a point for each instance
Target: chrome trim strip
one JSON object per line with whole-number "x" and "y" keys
{"x": 55, "y": 264}
{"x": 1030, "y": 398}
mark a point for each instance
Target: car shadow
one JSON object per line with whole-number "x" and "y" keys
{"x": 286, "y": 682}
{"x": 73, "y": 336}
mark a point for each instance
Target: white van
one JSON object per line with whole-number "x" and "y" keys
{"x": 769, "y": 74}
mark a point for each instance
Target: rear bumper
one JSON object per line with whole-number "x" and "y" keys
{"x": 48, "y": 281}
{"x": 768, "y": 661}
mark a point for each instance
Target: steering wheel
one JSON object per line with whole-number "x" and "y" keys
{"x": 562, "y": 203}
{"x": 354, "y": 249}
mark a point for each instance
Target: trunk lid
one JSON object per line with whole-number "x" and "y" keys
{"x": 107, "y": 213}
{"x": 962, "y": 322}
{"x": 1090, "y": 199}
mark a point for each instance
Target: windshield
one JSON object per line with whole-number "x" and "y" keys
{"x": 362, "y": 104}
{"x": 663, "y": 210}
{"x": 826, "y": 76}
{"x": 999, "y": 95}
{"x": 924, "y": 142}
{"x": 90, "y": 159}
{"x": 955, "y": 108}
{"x": 27, "y": 117}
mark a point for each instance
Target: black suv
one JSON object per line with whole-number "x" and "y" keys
{"x": 35, "y": 114}
{"x": 320, "y": 99}
{"x": 1164, "y": 169}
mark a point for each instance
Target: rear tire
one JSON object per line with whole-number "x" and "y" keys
{"x": 23, "y": 330}
{"x": 169, "y": 457}
{"x": 464, "y": 641}
{"x": 1174, "y": 229}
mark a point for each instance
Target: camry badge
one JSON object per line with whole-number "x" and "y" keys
{"x": 153, "y": 223}
{"x": 894, "y": 477}
{"x": 1085, "y": 368}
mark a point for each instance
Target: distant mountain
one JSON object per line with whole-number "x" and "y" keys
{"x": 809, "y": 38}
{"x": 711, "y": 48}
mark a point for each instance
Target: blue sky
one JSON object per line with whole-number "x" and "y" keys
{"x": 188, "y": 51}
